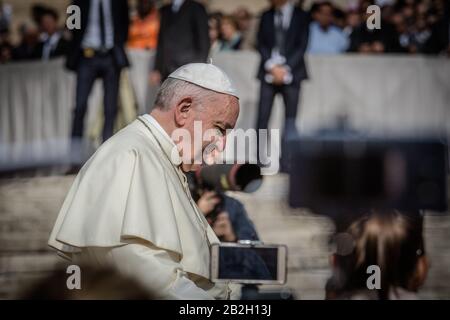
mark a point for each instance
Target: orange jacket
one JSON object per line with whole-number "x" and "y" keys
{"x": 143, "y": 33}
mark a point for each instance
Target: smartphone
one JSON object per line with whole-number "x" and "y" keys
{"x": 248, "y": 263}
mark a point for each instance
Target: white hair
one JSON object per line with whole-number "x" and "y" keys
{"x": 173, "y": 89}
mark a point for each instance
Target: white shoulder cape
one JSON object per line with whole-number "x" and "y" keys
{"x": 130, "y": 188}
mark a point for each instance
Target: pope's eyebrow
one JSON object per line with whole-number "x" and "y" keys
{"x": 226, "y": 125}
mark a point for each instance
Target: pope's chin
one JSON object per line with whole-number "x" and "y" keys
{"x": 190, "y": 167}
{"x": 195, "y": 167}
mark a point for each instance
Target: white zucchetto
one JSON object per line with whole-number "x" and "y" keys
{"x": 207, "y": 76}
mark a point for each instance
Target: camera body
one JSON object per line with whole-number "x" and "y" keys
{"x": 224, "y": 177}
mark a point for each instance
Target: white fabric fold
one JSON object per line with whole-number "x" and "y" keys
{"x": 131, "y": 189}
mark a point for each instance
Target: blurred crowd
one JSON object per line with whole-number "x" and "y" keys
{"x": 44, "y": 38}
{"x": 407, "y": 26}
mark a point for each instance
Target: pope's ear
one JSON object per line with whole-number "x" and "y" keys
{"x": 182, "y": 111}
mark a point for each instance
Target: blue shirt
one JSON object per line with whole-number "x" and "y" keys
{"x": 242, "y": 226}
{"x": 330, "y": 41}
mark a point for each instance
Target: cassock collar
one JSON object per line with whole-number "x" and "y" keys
{"x": 169, "y": 147}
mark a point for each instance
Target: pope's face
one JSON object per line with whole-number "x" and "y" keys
{"x": 210, "y": 121}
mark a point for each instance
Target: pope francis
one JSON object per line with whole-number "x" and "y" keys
{"x": 130, "y": 204}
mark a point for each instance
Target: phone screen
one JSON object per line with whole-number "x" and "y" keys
{"x": 248, "y": 263}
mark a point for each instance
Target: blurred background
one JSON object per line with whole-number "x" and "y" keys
{"x": 388, "y": 82}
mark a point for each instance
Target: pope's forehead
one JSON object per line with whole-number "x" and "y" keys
{"x": 222, "y": 108}
{"x": 226, "y": 102}
{"x": 226, "y": 108}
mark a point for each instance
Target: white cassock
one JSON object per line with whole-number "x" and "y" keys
{"x": 130, "y": 206}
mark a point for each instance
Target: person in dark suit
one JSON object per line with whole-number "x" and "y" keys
{"x": 384, "y": 40}
{"x": 183, "y": 37}
{"x": 27, "y": 48}
{"x": 282, "y": 41}
{"x": 52, "y": 43}
{"x": 97, "y": 51}
{"x": 439, "y": 41}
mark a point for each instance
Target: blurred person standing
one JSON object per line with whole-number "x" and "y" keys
{"x": 391, "y": 240}
{"x": 5, "y": 43}
{"x": 365, "y": 40}
{"x": 339, "y": 18}
{"x": 412, "y": 27}
{"x": 420, "y": 34}
{"x": 401, "y": 27}
{"x": 324, "y": 36}
{"x": 282, "y": 40}
{"x": 144, "y": 26}
{"x": 439, "y": 41}
{"x": 231, "y": 37}
{"x": 29, "y": 39}
{"x": 5, "y": 48}
{"x": 37, "y": 10}
{"x": 52, "y": 42}
{"x": 352, "y": 20}
{"x": 97, "y": 51}
{"x": 247, "y": 25}
{"x": 5, "y": 16}
{"x": 214, "y": 32}
{"x": 183, "y": 38}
